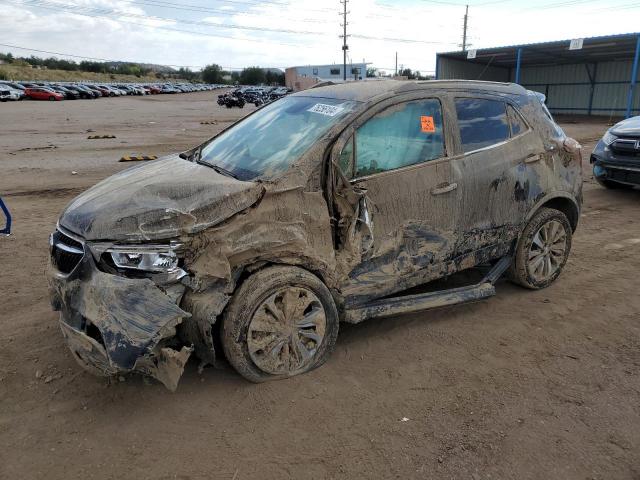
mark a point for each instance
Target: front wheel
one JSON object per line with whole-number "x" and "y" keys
{"x": 542, "y": 250}
{"x": 281, "y": 322}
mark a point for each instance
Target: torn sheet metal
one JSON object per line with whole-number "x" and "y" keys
{"x": 110, "y": 322}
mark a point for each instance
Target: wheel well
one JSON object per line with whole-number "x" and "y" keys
{"x": 566, "y": 206}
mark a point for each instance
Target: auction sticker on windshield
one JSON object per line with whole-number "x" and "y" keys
{"x": 328, "y": 110}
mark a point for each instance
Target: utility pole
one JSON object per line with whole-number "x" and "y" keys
{"x": 464, "y": 31}
{"x": 396, "y": 64}
{"x": 344, "y": 36}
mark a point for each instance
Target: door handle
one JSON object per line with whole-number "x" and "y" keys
{"x": 444, "y": 188}
{"x": 533, "y": 158}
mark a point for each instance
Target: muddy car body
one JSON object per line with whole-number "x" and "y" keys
{"x": 321, "y": 207}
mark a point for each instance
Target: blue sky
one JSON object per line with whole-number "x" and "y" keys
{"x": 280, "y": 33}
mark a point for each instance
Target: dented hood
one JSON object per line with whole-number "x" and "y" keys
{"x": 158, "y": 200}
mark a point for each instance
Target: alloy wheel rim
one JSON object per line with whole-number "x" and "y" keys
{"x": 286, "y": 331}
{"x": 547, "y": 251}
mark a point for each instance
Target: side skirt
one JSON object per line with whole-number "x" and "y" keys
{"x": 426, "y": 301}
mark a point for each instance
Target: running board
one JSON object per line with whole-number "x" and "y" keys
{"x": 426, "y": 301}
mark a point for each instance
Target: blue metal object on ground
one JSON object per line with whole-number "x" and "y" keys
{"x": 7, "y": 227}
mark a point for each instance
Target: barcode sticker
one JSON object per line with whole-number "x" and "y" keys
{"x": 328, "y": 110}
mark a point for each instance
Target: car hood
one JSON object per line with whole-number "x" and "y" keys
{"x": 630, "y": 126}
{"x": 158, "y": 200}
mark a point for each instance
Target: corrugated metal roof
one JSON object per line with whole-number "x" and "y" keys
{"x": 594, "y": 49}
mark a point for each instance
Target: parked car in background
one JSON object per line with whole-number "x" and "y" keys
{"x": 9, "y": 94}
{"x": 616, "y": 157}
{"x": 14, "y": 85}
{"x": 96, "y": 93}
{"x": 169, "y": 89}
{"x": 80, "y": 91}
{"x": 43, "y": 93}
{"x": 68, "y": 94}
{"x": 327, "y": 205}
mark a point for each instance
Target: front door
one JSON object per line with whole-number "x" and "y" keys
{"x": 397, "y": 163}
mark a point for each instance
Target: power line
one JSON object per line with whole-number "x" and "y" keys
{"x": 73, "y": 8}
{"x": 88, "y": 58}
{"x": 200, "y": 9}
{"x": 105, "y": 13}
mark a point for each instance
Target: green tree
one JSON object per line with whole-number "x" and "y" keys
{"x": 253, "y": 76}
{"x": 274, "y": 78}
{"x": 407, "y": 73}
{"x": 212, "y": 74}
{"x": 187, "y": 74}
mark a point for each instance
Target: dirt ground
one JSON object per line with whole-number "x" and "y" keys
{"x": 525, "y": 385}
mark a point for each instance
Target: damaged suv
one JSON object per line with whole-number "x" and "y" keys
{"x": 328, "y": 205}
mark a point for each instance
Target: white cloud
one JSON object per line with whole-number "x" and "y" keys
{"x": 130, "y": 35}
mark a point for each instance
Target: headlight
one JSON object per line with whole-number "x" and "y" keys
{"x": 609, "y": 138}
{"x": 149, "y": 259}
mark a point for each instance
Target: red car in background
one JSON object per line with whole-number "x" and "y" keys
{"x": 153, "y": 89}
{"x": 42, "y": 93}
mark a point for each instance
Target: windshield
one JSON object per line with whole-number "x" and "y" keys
{"x": 267, "y": 142}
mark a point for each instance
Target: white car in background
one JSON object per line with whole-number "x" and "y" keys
{"x": 7, "y": 93}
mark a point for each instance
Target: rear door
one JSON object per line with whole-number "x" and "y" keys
{"x": 495, "y": 150}
{"x": 397, "y": 163}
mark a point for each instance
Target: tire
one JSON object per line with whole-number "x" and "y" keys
{"x": 228, "y": 105}
{"x": 250, "y": 329}
{"x": 538, "y": 262}
{"x": 613, "y": 185}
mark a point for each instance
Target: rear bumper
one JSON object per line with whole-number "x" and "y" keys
{"x": 115, "y": 325}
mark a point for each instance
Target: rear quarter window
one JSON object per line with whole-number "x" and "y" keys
{"x": 482, "y": 122}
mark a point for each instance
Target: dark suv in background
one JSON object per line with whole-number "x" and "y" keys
{"x": 616, "y": 158}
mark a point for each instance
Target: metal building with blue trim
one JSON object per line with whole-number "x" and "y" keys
{"x": 587, "y": 76}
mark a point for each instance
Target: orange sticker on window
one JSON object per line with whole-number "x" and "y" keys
{"x": 427, "y": 124}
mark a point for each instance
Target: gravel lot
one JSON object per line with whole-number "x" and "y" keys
{"x": 526, "y": 385}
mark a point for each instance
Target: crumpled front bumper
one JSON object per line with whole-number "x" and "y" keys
{"x": 114, "y": 324}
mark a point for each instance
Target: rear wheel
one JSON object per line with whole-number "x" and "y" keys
{"x": 281, "y": 322}
{"x": 543, "y": 249}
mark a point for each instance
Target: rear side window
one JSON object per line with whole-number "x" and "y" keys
{"x": 482, "y": 122}
{"x": 516, "y": 121}
{"x": 401, "y": 135}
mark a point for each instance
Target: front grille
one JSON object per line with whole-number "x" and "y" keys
{"x": 66, "y": 252}
{"x": 624, "y": 176}
{"x": 627, "y": 146}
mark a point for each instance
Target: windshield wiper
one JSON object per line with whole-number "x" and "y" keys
{"x": 194, "y": 157}
{"x": 223, "y": 171}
